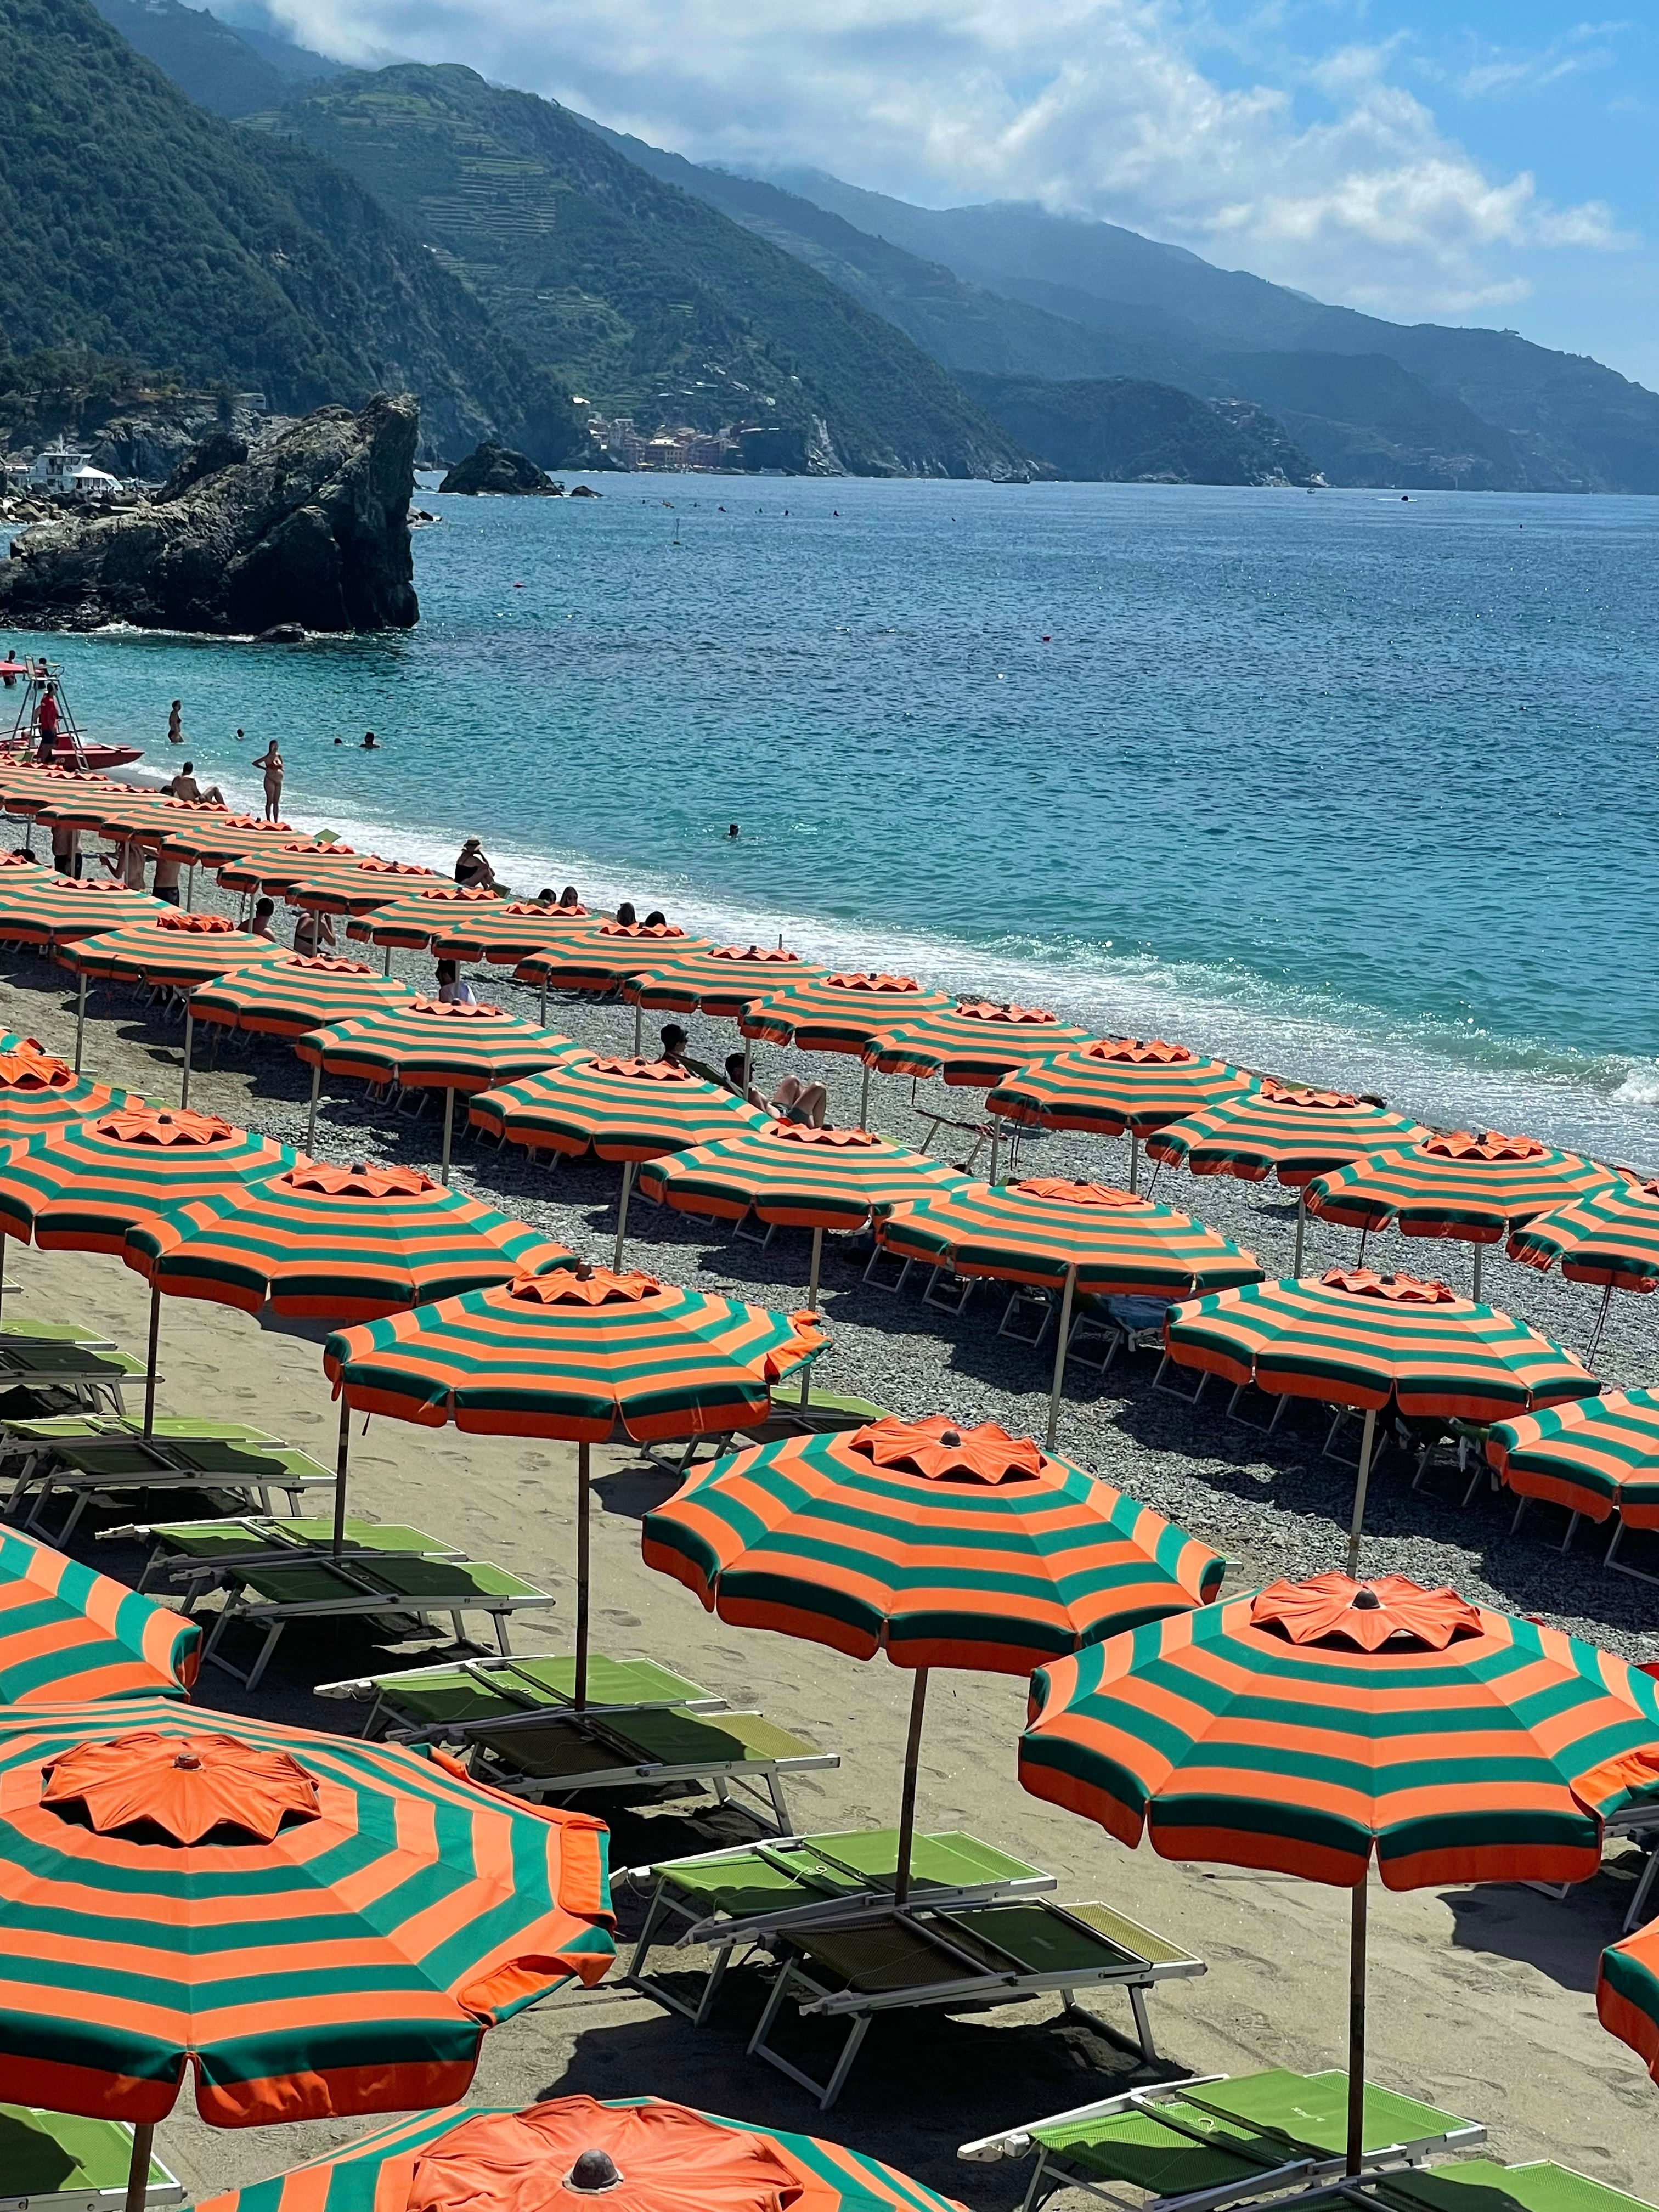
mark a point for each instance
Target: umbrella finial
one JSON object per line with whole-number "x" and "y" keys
{"x": 593, "y": 2171}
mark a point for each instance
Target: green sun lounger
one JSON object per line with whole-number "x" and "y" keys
{"x": 188, "y": 1558}
{"x": 1214, "y": 2141}
{"x": 224, "y": 1468}
{"x": 430, "y": 1702}
{"x": 756, "y": 1893}
{"x": 57, "y": 2162}
{"x": 56, "y": 1332}
{"x": 1475, "y": 2185}
{"x": 81, "y": 1371}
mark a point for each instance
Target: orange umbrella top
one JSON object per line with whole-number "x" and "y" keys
{"x": 509, "y": 932}
{"x": 1610, "y": 1238}
{"x": 55, "y": 909}
{"x": 359, "y": 883}
{"x": 1455, "y": 1183}
{"x": 288, "y": 998}
{"x": 37, "y": 1091}
{"x": 839, "y": 1012}
{"x": 972, "y": 1045}
{"x": 421, "y": 910}
{"x": 1300, "y": 1132}
{"x": 435, "y": 1044}
{"x": 802, "y": 1177}
{"x": 276, "y": 864}
{"x": 80, "y": 1188}
{"x": 624, "y": 1109}
{"x": 599, "y": 959}
{"x": 172, "y": 947}
{"x": 1115, "y": 1085}
{"x": 214, "y": 838}
{"x": 722, "y": 981}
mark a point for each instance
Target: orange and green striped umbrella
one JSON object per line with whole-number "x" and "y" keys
{"x": 1611, "y": 1237}
{"x": 941, "y": 1546}
{"x": 670, "y": 2159}
{"x": 1594, "y": 1455}
{"x": 314, "y": 1926}
{"x": 1307, "y": 1726}
{"x": 1455, "y": 1183}
{"x": 599, "y": 958}
{"x": 839, "y": 1012}
{"x": 417, "y": 915}
{"x": 1628, "y": 1992}
{"x": 509, "y": 934}
{"x": 57, "y": 909}
{"x": 620, "y": 1109}
{"x": 720, "y": 981}
{"x": 211, "y": 837}
{"x": 106, "y": 808}
{"x": 37, "y": 1092}
{"x": 433, "y": 1044}
{"x": 972, "y": 1045}
{"x": 578, "y": 1355}
{"x": 172, "y": 947}
{"x": 68, "y": 1634}
{"x": 28, "y": 789}
{"x": 1298, "y": 1133}
{"x": 358, "y": 883}
{"x": 288, "y": 998}
{"x": 1116, "y": 1086}
{"x": 275, "y": 866}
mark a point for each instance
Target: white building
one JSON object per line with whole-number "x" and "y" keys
{"x": 63, "y": 470}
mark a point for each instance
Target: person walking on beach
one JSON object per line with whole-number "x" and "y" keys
{"x": 176, "y": 723}
{"x": 271, "y": 765}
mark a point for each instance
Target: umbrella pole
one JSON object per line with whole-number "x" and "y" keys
{"x": 1301, "y": 1228}
{"x": 1134, "y": 1163}
{"x": 386, "y": 971}
{"x": 1066, "y": 1296}
{"x": 1357, "y": 2022}
{"x": 1600, "y": 1323}
{"x": 542, "y": 1016}
{"x": 996, "y": 1145}
{"x": 812, "y": 1304}
{"x": 190, "y": 1041}
{"x": 622, "y": 1211}
{"x": 341, "y": 1461}
{"x": 190, "y": 890}
{"x": 1479, "y": 1253}
{"x": 639, "y": 1017}
{"x": 1359, "y": 1489}
{"x": 864, "y": 1100}
{"x": 80, "y": 1019}
{"x": 906, "y": 1834}
{"x": 449, "y": 1130}
{"x": 144, "y": 2139}
{"x": 748, "y": 1065}
{"x": 584, "y": 1559}
{"x": 311, "y": 1118}
{"x": 155, "y": 1348}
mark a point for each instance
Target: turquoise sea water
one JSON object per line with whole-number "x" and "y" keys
{"x": 1355, "y": 788}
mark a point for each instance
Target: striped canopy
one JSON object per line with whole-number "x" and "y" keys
{"x": 47, "y": 909}
{"x": 1302, "y": 1726}
{"x": 316, "y": 1925}
{"x": 28, "y": 789}
{"x": 575, "y": 1355}
{"x": 722, "y": 981}
{"x": 1455, "y": 1183}
{"x": 971, "y": 1045}
{"x": 1299, "y": 1133}
{"x": 805, "y": 1178}
{"x": 68, "y": 1634}
{"x": 1627, "y": 1994}
{"x": 432, "y": 1044}
{"x": 1034, "y": 1232}
{"x": 839, "y": 1012}
{"x": 1116, "y": 1086}
{"x": 81, "y": 1188}
{"x": 109, "y": 809}
{"x": 290, "y": 997}
{"x": 418, "y": 913}
{"x": 355, "y": 884}
{"x": 38, "y": 1092}
{"x": 509, "y": 932}
{"x": 336, "y": 1244}
{"x": 275, "y": 866}
{"x": 212, "y": 836}
{"x": 622, "y": 1109}
{"x": 1610, "y": 1238}
{"x": 599, "y": 958}
{"x": 173, "y": 948}
{"x": 1594, "y": 1455}
{"x": 1354, "y": 1338}
{"x": 673, "y": 2159}
{"x": 941, "y": 1546}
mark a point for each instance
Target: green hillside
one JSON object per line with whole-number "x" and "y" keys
{"x": 151, "y": 231}
{"x": 204, "y": 58}
{"x": 642, "y": 298}
{"x": 1120, "y": 430}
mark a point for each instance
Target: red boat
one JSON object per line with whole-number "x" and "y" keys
{"x": 69, "y": 746}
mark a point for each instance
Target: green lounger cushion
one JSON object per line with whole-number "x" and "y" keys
{"x": 1168, "y": 2149}
{"x": 55, "y": 1332}
{"x": 492, "y": 1689}
{"x": 1311, "y": 2109}
{"x": 1475, "y": 2185}
{"x": 670, "y": 1738}
{"x": 43, "y": 2151}
{"x": 770, "y": 1878}
{"x": 1028, "y": 1936}
{"x": 30, "y": 1359}
{"x": 230, "y": 1540}
{"x": 446, "y": 1585}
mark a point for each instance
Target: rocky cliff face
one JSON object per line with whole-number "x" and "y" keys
{"x": 498, "y": 471}
{"x": 310, "y": 527}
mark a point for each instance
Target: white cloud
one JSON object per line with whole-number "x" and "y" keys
{"x": 1327, "y": 174}
{"x": 1505, "y": 73}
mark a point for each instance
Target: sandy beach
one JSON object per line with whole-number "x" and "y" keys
{"x": 1482, "y": 2000}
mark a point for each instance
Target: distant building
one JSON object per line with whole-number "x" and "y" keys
{"x": 61, "y": 472}
{"x": 669, "y": 451}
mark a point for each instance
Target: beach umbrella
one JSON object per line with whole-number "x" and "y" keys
{"x": 288, "y": 998}
{"x": 323, "y": 1242}
{"x": 645, "y": 2154}
{"x": 577, "y": 1355}
{"x": 276, "y": 864}
{"x": 211, "y": 837}
{"x": 416, "y": 916}
{"x": 839, "y": 1013}
{"x": 1295, "y": 1133}
{"x": 171, "y": 947}
{"x": 1610, "y": 1238}
{"x": 58, "y": 910}
{"x": 1628, "y": 1988}
{"x": 620, "y": 1109}
{"x": 601, "y": 958}
{"x": 313, "y": 1926}
{"x": 432, "y": 1044}
{"x": 80, "y": 1187}
{"x": 68, "y": 1634}
{"x": 941, "y": 1546}
{"x": 800, "y": 1178}
{"x": 1472, "y": 1185}
{"x": 1356, "y": 1338}
{"x": 722, "y": 980}
{"x": 1596, "y": 1456}
{"x": 38, "y": 1091}
{"x": 1116, "y": 1086}
{"x": 971, "y": 1046}
{"x": 1068, "y": 1237}
{"x": 512, "y": 930}
{"x": 1309, "y": 1726}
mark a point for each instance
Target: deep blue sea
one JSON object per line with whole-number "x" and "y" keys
{"x": 1357, "y": 788}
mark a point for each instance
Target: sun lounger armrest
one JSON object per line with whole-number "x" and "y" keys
{"x": 1015, "y": 2143}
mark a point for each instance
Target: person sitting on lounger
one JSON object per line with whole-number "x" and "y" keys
{"x": 314, "y": 934}
{"x": 674, "y": 1052}
{"x": 803, "y": 1103}
{"x": 454, "y": 989}
{"x": 748, "y": 1092}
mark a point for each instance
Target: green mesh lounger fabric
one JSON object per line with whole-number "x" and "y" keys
{"x": 1475, "y": 2185}
{"x": 53, "y": 2159}
{"x": 429, "y": 1699}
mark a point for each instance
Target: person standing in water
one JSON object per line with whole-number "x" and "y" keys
{"x": 176, "y": 723}
{"x": 272, "y": 767}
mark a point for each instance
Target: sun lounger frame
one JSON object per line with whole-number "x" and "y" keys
{"x": 49, "y": 1473}
{"x": 375, "y": 1685}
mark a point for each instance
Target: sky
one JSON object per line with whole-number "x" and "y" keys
{"x": 1481, "y": 162}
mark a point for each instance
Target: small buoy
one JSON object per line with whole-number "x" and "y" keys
{"x": 1046, "y": 640}
{"x": 518, "y": 587}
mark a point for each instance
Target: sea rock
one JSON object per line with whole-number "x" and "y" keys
{"x": 499, "y": 471}
{"x": 311, "y": 528}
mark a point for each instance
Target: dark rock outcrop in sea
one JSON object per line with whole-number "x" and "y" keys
{"x": 498, "y": 470}
{"x": 311, "y": 526}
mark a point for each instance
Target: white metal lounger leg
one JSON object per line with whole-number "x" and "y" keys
{"x": 1143, "y": 2024}
{"x": 857, "y": 2029}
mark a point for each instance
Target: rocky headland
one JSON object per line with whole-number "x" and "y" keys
{"x": 308, "y": 528}
{"x": 502, "y": 473}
